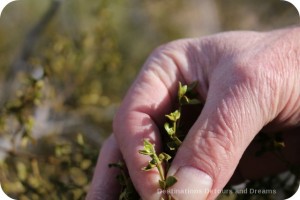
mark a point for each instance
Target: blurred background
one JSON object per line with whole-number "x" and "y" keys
{"x": 65, "y": 66}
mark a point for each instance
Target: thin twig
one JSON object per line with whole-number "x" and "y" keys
{"x": 21, "y": 61}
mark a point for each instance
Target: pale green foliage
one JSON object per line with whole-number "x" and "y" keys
{"x": 158, "y": 161}
{"x": 186, "y": 96}
{"x": 162, "y": 161}
{"x": 89, "y": 53}
{"x": 186, "y": 92}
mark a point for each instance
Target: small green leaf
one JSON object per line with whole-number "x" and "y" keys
{"x": 148, "y": 167}
{"x": 170, "y": 181}
{"x": 123, "y": 195}
{"x": 172, "y": 145}
{"x": 161, "y": 157}
{"x": 182, "y": 90}
{"x": 153, "y": 162}
{"x": 194, "y": 102}
{"x": 170, "y": 117}
{"x": 148, "y": 147}
{"x": 144, "y": 152}
{"x": 184, "y": 100}
{"x": 192, "y": 86}
{"x": 165, "y": 156}
{"x": 174, "y": 116}
{"x": 162, "y": 184}
{"x": 168, "y": 129}
{"x": 278, "y": 145}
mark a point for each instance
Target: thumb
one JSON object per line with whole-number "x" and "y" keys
{"x": 213, "y": 147}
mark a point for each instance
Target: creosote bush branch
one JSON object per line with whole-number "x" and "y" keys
{"x": 162, "y": 161}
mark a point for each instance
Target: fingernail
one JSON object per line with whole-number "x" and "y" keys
{"x": 192, "y": 184}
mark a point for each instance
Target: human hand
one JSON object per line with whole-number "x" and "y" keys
{"x": 248, "y": 80}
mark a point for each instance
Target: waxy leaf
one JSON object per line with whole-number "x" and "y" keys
{"x": 174, "y": 116}
{"x": 170, "y": 181}
{"x": 148, "y": 167}
{"x": 148, "y": 146}
{"x": 182, "y": 90}
{"x": 162, "y": 184}
{"x": 164, "y": 156}
{"x": 169, "y": 129}
{"x": 172, "y": 145}
{"x": 144, "y": 152}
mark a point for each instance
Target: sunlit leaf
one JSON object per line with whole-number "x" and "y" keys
{"x": 164, "y": 156}
{"x": 148, "y": 147}
{"x": 182, "y": 90}
{"x": 144, "y": 152}
{"x": 174, "y": 116}
{"x": 169, "y": 129}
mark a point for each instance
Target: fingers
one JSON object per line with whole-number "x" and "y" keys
{"x": 232, "y": 116}
{"x": 151, "y": 97}
{"x": 104, "y": 185}
{"x": 135, "y": 122}
{"x": 144, "y": 106}
{"x": 213, "y": 147}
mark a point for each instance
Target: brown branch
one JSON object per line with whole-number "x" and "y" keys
{"x": 33, "y": 36}
{"x": 21, "y": 62}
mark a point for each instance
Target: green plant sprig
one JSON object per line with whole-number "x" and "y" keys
{"x": 171, "y": 129}
{"x": 186, "y": 96}
{"x": 175, "y": 132}
{"x": 157, "y": 162}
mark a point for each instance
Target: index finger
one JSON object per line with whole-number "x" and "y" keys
{"x": 148, "y": 100}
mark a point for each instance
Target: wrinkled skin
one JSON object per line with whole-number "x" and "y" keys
{"x": 249, "y": 81}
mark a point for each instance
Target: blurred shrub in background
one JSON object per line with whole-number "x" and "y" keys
{"x": 65, "y": 66}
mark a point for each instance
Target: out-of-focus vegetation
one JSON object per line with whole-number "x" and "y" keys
{"x": 65, "y": 66}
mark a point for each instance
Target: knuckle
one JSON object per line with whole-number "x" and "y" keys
{"x": 213, "y": 151}
{"x": 170, "y": 50}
